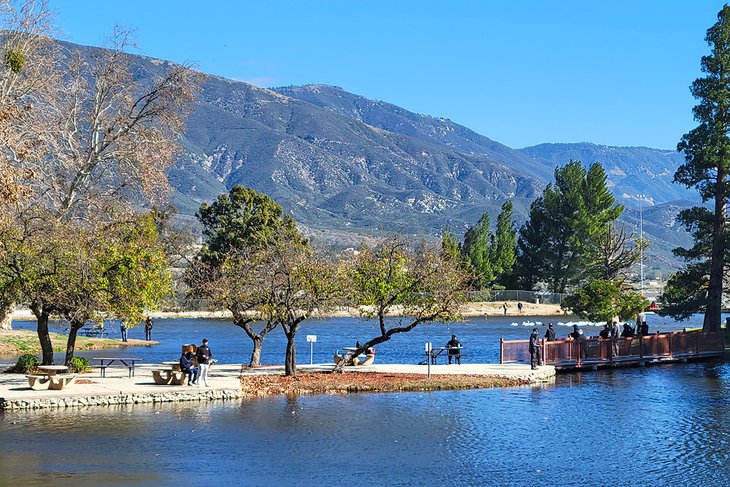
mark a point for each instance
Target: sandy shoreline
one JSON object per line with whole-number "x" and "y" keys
{"x": 470, "y": 310}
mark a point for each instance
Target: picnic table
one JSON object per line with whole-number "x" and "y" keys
{"x": 170, "y": 375}
{"x": 50, "y": 378}
{"x": 96, "y": 331}
{"x": 128, "y": 362}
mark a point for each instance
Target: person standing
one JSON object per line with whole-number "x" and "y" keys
{"x": 454, "y": 347}
{"x": 123, "y": 329}
{"x": 204, "y": 355}
{"x": 534, "y": 349}
{"x": 504, "y": 306}
{"x": 550, "y": 333}
{"x": 615, "y": 334}
{"x": 519, "y": 307}
{"x": 148, "y": 329}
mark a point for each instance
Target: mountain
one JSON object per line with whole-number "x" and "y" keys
{"x": 632, "y": 171}
{"x": 346, "y": 167}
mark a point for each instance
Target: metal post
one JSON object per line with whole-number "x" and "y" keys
{"x": 501, "y": 350}
{"x": 311, "y": 353}
{"x": 428, "y": 358}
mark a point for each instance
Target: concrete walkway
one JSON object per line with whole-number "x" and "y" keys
{"x": 224, "y": 380}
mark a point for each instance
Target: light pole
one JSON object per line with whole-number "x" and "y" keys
{"x": 641, "y": 243}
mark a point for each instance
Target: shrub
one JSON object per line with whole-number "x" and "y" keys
{"x": 26, "y": 363}
{"x": 15, "y": 60}
{"x": 79, "y": 365}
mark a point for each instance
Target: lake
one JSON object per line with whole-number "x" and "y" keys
{"x": 659, "y": 425}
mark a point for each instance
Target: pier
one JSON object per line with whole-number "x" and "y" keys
{"x": 595, "y": 352}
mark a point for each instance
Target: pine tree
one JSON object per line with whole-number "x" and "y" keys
{"x": 477, "y": 245}
{"x": 707, "y": 154}
{"x": 504, "y": 251}
{"x": 565, "y": 224}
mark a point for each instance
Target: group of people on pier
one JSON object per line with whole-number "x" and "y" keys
{"x": 610, "y": 331}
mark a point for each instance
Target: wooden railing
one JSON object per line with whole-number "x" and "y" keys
{"x": 595, "y": 351}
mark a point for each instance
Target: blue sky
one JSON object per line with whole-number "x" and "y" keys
{"x": 519, "y": 72}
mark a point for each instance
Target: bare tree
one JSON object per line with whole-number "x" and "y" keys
{"x": 28, "y": 81}
{"x": 237, "y": 284}
{"x": 110, "y": 136}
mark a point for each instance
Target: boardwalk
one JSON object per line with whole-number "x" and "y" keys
{"x": 594, "y": 352}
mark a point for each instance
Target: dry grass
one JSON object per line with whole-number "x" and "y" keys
{"x": 329, "y": 383}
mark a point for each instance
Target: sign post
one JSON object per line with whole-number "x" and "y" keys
{"x": 428, "y": 348}
{"x": 311, "y": 339}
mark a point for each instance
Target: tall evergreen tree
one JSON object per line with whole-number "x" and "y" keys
{"x": 477, "y": 244}
{"x": 505, "y": 244}
{"x": 450, "y": 246}
{"x": 564, "y": 225}
{"x": 707, "y": 154}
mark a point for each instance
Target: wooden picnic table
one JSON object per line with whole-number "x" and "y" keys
{"x": 128, "y": 362}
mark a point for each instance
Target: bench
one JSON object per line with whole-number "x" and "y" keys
{"x": 165, "y": 377}
{"x": 56, "y": 382}
{"x": 445, "y": 352}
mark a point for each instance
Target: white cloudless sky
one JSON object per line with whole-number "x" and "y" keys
{"x": 520, "y": 72}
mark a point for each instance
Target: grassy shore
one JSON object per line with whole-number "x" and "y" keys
{"x": 329, "y": 383}
{"x": 18, "y": 342}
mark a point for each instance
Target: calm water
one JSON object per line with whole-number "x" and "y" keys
{"x": 662, "y": 425}
{"x": 480, "y": 337}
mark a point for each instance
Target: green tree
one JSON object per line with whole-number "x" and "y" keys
{"x": 241, "y": 228}
{"x": 504, "y": 252}
{"x": 477, "y": 249}
{"x": 564, "y": 225}
{"x": 602, "y": 299}
{"x": 112, "y": 271}
{"x": 299, "y": 282}
{"x": 424, "y": 285}
{"x": 707, "y": 155}
{"x": 686, "y": 291}
{"x": 243, "y": 218}
{"x": 450, "y": 245}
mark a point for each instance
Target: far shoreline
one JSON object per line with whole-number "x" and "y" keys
{"x": 469, "y": 310}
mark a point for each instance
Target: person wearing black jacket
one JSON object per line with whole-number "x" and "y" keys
{"x": 534, "y": 349}
{"x": 550, "y": 333}
{"x": 204, "y": 356}
{"x": 186, "y": 365}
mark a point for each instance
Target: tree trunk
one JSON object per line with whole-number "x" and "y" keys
{"x": 290, "y": 366}
{"x": 70, "y": 345}
{"x": 258, "y": 343}
{"x": 6, "y": 316}
{"x": 71, "y": 342}
{"x": 714, "y": 293}
{"x": 42, "y": 329}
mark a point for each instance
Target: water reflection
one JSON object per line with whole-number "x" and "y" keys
{"x": 662, "y": 425}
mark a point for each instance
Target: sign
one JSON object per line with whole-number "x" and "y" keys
{"x": 311, "y": 338}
